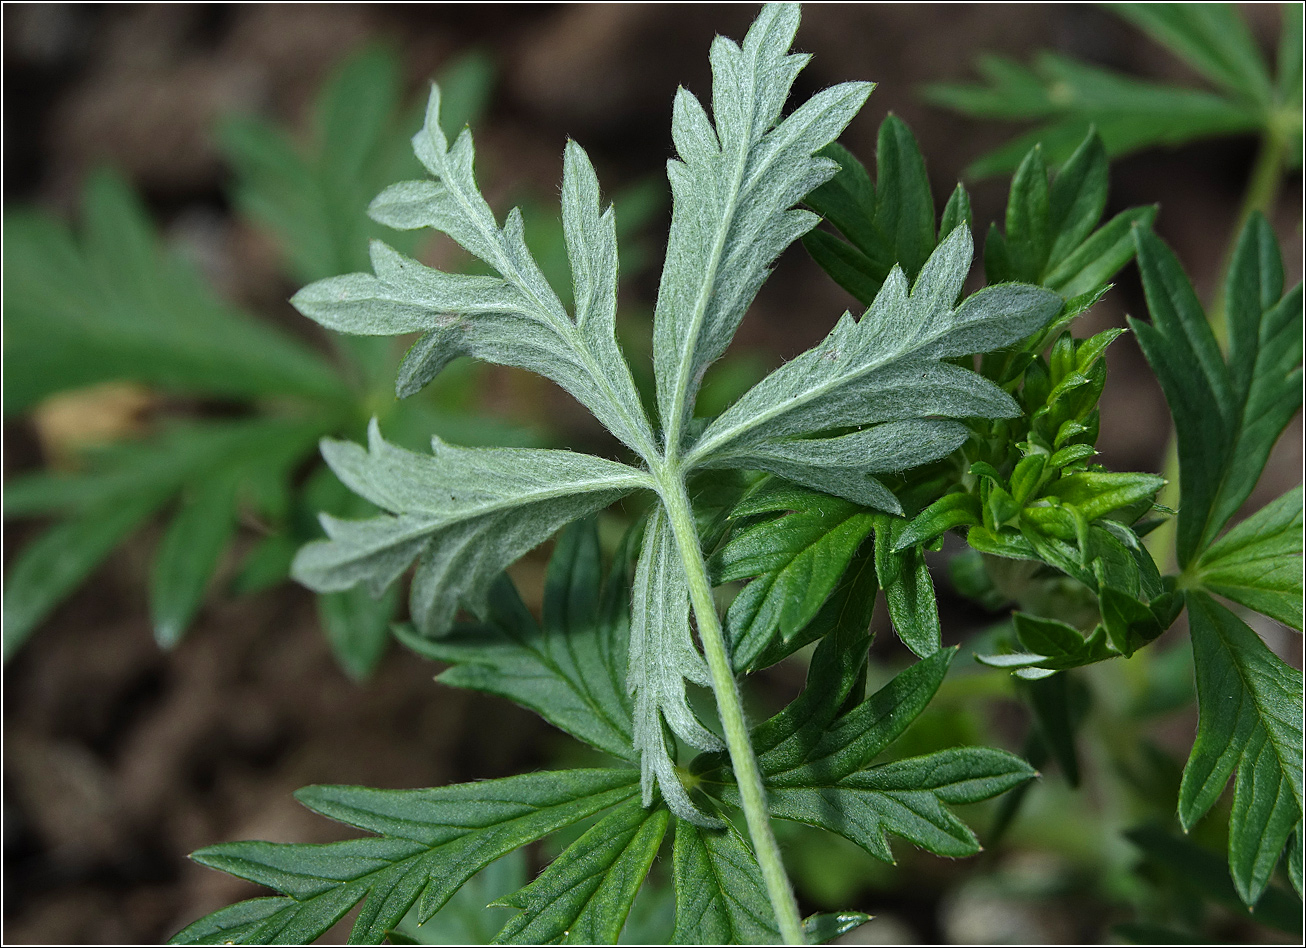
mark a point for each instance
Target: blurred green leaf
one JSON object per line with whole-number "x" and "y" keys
{"x": 1067, "y": 98}
{"x": 114, "y": 305}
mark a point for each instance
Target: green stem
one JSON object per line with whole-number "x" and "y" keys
{"x": 749, "y": 779}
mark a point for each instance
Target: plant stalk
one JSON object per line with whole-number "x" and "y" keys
{"x": 748, "y": 777}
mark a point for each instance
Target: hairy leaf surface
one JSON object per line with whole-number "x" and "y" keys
{"x": 733, "y": 189}
{"x": 501, "y": 503}
{"x": 886, "y": 367}
{"x": 662, "y": 658}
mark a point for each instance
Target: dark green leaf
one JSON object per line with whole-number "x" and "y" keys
{"x": 720, "y": 896}
{"x": 1070, "y": 98}
{"x": 1028, "y": 235}
{"x": 1193, "y": 865}
{"x": 904, "y": 205}
{"x": 357, "y": 624}
{"x": 795, "y": 560}
{"x": 1249, "y": 720}
{"x": 1212, "y": 38}
{"x": 906, "y": 797}
{"x": 234, "y": 924}
{"x": 908, "y": 589}
{"x": 571, "y": 669}
{"x": 584, "y": 896}
{"x": 430, "y": 842}
{"x": 1258, "y": 563}
{"x": 54, "y": 564}
{"x": 114, "y": 305}
{"x": 1227, "y": 418}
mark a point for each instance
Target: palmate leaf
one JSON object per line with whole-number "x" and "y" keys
{"x": 571, "y": 668}
{"x": 1249, "y": 720}
{"x": 886, "y": 367}
{"x": 428, "y": 843}
{"x": 501, "y": 503}
{"x": 1068, "y": 97}
{"x": 1259, "y": 562}
{"x": 512, "y": 319}
{"x": 1227, "y": 415}
{"x": 112, "y": 304}
{"x": 733, "y": 190}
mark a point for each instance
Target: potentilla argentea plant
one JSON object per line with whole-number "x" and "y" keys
{"x": 880, "y": 394}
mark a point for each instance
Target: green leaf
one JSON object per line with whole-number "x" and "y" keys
{"x": 662, "y": 658}
{"x": 908, "y": 589}
{"x": 234, "y": 924}
{"x": 54, "y": 564}
{"x": 188, "y": 556}
{"x": 1195, "y": 866}
{"x": 720, "y": 896}
{"x": 114, "y": 305}
{"x": 584, "y": 896}
{"x": 1051, "y": 645}
{"x": 908, "y": 798}
{"x": 794, "y": 561}
{"x": 904, "y": 206}
{"x": 501, "y": 503}
{"x": 946, "y": 513}
{"x": 429, "y": 843}
{"x": 1227, "y": 417}
{"x": 571, "y": 668}
{"x": 849, "y": 607}
{"x": 1069, "y": 99}
{"x": 826, "y": 927}
{"x": 1028, "y": 237}
{"x": 357, "y": 625}
{"x": 1212, "y": 38}
{"x": 733, "y": 191}
{"x": 314, "y": 199}
{"x": 1258, "y": 563}
{"x": 1249, "y": 720}
{"x": 886, "y": 223}
{"x": 817, "y": 766}
{"x": 887, "y": 367}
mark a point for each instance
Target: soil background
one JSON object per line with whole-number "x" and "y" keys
{"x": 120, "y": 759}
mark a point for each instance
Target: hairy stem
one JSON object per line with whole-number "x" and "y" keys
{"x": 749, "y": 779}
